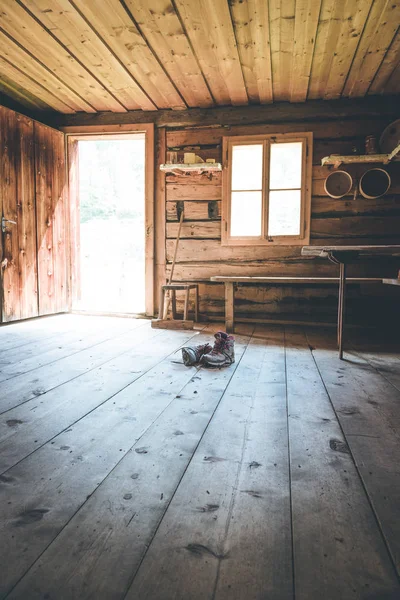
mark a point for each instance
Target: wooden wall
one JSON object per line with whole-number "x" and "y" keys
{"x": 344, "y": 221}
{"x": 32, "y": 193}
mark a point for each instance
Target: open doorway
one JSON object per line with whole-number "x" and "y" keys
{"x": 110, "y": 218}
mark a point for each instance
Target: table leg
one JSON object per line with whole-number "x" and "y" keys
{"x": 229, "y": 308}
{"x": 341, "y": 307}
{"x": 186, "y": 307}
{"x": 196, "y": 303}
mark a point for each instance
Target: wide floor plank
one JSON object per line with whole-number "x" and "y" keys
{"x": 116, "y": 524}
{"x": 198, "y": 546}
{"x": 126, "y": 475}
{"x": 367, "y": 407}
{"x": 333, "y": 523}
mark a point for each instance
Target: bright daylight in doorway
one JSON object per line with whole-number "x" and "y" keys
{"x": 112, "y": 225}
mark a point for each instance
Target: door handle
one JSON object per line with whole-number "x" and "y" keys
{"x": 3, "y": 223}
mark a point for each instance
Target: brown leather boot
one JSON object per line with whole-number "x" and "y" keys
{"x": 192, "y": 355}
{"x": 223, "y": 353}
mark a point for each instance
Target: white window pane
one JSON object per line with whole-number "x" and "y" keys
{"x": 285, "y": 166}
{"x": 246, "y": 214}
{"x": 247, "y": 167}
{"x": 284, "y": 213}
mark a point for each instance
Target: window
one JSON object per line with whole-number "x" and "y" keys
{"x": 267, "y": 189}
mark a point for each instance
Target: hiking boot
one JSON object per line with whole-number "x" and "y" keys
{"x": 192, "y": 354}
{"x": 223, "y": 353}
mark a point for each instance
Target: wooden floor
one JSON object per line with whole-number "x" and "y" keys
{"x": 125, "y": 474}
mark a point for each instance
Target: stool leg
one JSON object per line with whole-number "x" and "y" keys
{"x": 173, "y": 303}
{"x": 186, "y": 308}
{"x": 161, "y": 305}
{"x": 196, "y": 303}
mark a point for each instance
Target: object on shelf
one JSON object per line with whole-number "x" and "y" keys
{"x": 210, "y": 161}
{"x": 374, "y": 183}
{"x": 390, "y": 138}
{"x": 196, "y": 168}
{"x": 172, "y": 157}
{"x": 338, "y": 184}
{"x": 371, "y": 145}
{"x": 189, "y": 158}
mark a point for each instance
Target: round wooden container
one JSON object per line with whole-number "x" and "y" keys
{"x": 374, "y": 183}
{"x": 338, "y": 184}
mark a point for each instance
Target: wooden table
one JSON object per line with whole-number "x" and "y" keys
{"x": 342, "y": 256}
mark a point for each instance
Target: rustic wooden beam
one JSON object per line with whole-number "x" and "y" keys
{"x": 315, "y": 110}
{"x": 42, "y": 117}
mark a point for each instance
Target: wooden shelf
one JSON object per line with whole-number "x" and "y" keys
{"x": 336, "y": 160}
{"x": 391, "y": 281}
{"x": 195, "y": 167}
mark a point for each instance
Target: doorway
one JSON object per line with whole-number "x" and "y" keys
{"x": 111, "y": 208}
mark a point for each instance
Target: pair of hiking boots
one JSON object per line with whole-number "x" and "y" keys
{"x": 221, "y": 355}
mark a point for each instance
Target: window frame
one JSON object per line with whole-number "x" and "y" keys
{"x": 306, "y": 138}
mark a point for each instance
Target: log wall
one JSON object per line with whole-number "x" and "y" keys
{"x": 344, "y": 221}
{"x": 33, "y": 194}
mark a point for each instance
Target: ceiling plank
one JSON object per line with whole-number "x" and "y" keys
{"x": 349, "y": 32}
{"x": 117, "y": 28}
{"x": 325, "y": 45}
{"x": 70, "y": 28}
{"x": 12, "y": 91}
{"x": 25, "y": 82}
{"x": 162, "y": 30}
{"x": 21, "y": 59}
{"x": 282, "y": 18}
{"x": 380, "y": 29}
{"x": 389, "y": 64}
{"x": 251, "y": 25}
{"x": 305, "y": 32}
{"x": 29, "y": 34}
{"x": 393, "y": 84}
{"x": 209, "y": 27}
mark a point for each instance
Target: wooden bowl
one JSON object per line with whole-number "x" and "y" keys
{"x": 338, "y": 184}
{"x": 374, "y": 183}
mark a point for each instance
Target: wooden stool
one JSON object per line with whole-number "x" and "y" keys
{"x": 173, "y": 287}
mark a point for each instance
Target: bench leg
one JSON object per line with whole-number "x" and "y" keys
{"x": 229, "y": 308}
{"x": 186, "y": 308}
{"x": 161, "y": 305}
{"x": 196, "y": 304}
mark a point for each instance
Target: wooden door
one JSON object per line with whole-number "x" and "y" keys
{"x": 19, "y": 292}
{"x": 51, "y": 219}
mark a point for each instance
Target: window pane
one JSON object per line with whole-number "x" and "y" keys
{"x": 284, "y": 213}
{"x": 285, "y": 166}
{"x": 247, "y": 166}
{"x": 246, "y": 213}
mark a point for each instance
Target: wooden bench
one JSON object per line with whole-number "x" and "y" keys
{"x": 230, "y": 283}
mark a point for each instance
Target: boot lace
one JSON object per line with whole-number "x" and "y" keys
{"x": 219, "y": 346}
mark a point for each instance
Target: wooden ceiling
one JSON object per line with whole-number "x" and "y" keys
{"x": 119, "y": 55}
